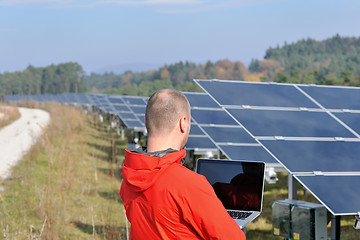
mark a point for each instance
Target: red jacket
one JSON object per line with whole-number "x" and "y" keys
{"x": 165, "y": 200}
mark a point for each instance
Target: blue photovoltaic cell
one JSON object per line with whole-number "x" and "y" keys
{"x": 134, "y": 100}
{"x": 212, "y": 117}
{"x": 116, "y": 100}
{"x": 290, "y": 123}
{"x": 340, "y": 194}
{"x": 350, "y": 119}
{"x": 310, "y": 156}
{"x": 107, "y": 108}
{"x": 201, "y": 100}
{"x": 133, "y": 124}
{"x": 199, "y": 143}
{"x": 121, "y": 108}
{"x": 250, "y": 153}
{"x": 70, "y": 98}
{"x": 138, "y": 109}
{"x": 195, "y": 130}
{"x": 83, "y": 99}
{"x": 127, "y": 115}
{"x": 335, "y": 97}
{"x": 228, "y": 135}
{"x": 255, "y": 94}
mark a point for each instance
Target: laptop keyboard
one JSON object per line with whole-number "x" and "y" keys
{"x": 238, "y": 214}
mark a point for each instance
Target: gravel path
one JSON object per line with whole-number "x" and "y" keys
{"x": 17, "y": 138}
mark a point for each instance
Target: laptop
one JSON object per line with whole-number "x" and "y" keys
{"x": 238, "y": 184}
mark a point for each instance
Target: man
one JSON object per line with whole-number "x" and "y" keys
{"x": 162, "y": 198}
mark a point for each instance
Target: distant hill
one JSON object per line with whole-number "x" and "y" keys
{"x": 335, "y": 60}
{"x": 178, "y": 75}
{"x": 52, "y": 79}
{"x": 133, "y": 67}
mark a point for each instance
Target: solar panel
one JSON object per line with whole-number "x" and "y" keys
{"x": 228, "y": 134}
{"x": 129, "y": 115}
{"x": 195, "y": 130}
{"x": 335, "y": 97}
{"x": 197, "y": 142}
{"x": 220, "y": 117}
{"x": 290, "y": 123}
{"x": 133, "y": 123}
{"x": 70, "y": 98}
{"x": 121, "y": 108}
{"x": 339, "y": 194}
{"x": 197, "y": 138}
{"x": 350, "y": 119}
{"x": 251, "y": 153}
{"x": 316, "y": 156}
{"x": 116, "y": 100}
{"x": 255, "y": 94}
{"x": 138, "y": 109}
{"x": 83, "y": 98}
{"x": 200, "y": 100}
{"x": 132, "y": 100}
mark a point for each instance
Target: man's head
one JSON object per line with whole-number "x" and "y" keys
{"x": 168, "y": 114}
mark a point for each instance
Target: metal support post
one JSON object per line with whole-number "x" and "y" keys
{"x": 122, "y": 133}
{"x": 335, "y": 227}
{"x": 292, "y": 187}
{"x": 118, "y": 130}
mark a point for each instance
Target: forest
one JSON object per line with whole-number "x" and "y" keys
{"x": 179, "y": 76}
{"x": 53, "y": 79}
{"x": 333, "y": 61}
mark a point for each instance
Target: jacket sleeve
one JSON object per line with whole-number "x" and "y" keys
{"x": 206, "y": 214}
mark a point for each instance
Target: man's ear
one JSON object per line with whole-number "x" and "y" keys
{"x": 183, "y": 124}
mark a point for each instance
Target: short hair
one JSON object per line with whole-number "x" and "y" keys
{"x": 164, "y": 109}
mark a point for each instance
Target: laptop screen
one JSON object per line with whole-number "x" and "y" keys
{"x": 238, "y": 184}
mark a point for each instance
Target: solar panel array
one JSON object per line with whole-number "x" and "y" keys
{"x": 224, "y": 132}
{"x": 313, "y": 131}
{"x": 131, "y": 111}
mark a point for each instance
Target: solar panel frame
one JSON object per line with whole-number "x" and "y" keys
{"x": 212, "y": 117}
{"x": 250, "y": 152}
{"x": 134, "y": 100}
{"x": 287, "y": 96}
{"x": 290, "y": 123}
{"x": 309, "y": 157}
{"x": 228, "y": 134}
{"x": 345, "y": 97}
{"x": 200, "y": 142}
{"x": 352, "y": 120}
{"x": 332, "y": 190}
{"x": 200, "y": 100}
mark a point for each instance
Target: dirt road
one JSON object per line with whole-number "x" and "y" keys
{"x": 17, "y": 138}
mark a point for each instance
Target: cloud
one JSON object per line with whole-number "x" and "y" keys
{"x": 216, "y": 5}
{"x": 163, "y": 6}
{"x": 86, "y": 3}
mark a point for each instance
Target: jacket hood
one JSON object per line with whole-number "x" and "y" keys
{"x": 140, "y": 171}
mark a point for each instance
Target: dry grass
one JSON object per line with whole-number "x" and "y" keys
{"x": 8, "y": 114}
{"x": 67, "y": 185}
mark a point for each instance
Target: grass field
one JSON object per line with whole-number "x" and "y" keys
{"x": 67, "y": 186}
{"x": 8, "y": 114}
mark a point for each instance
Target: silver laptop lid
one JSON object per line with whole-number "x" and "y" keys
{"x": 238, "y": 184}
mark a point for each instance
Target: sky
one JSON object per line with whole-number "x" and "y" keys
{"x": 103, "y": 34}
